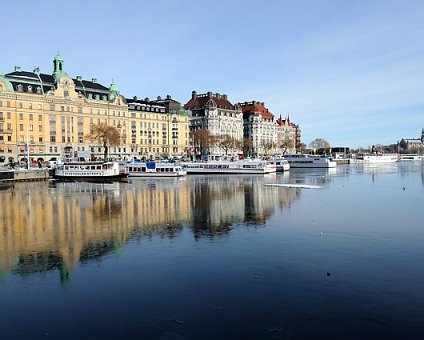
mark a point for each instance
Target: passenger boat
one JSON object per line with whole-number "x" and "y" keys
{"x": 381, "y": 158}
{"x": 153, "y": 169}
{"x": 310, "y": 161}
{"x": 407, "y": 157}
{"x": 280, "y": 163}
{"x": 81, "y": 169}
{"x": 230, "y": 167}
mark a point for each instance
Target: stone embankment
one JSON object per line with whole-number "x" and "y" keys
{"x": 23, "y": 175}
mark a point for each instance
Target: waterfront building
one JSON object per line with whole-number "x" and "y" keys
{"x": 215, "y": 113}
{"x": 288, "y": 136}
{"x": 260, "y": 127}
{"x": 46, "y": 116}
{"x": 413, "y": 144}
{"x": 159, "y": 129}
{"x": 177, "y": 134}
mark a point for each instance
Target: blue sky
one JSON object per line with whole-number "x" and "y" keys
{"x": 351, "y": 72}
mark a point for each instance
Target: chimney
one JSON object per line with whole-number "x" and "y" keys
{"x": 36, "y": 70}
{"x": 168, "y": 97}
{"x": 135, "y": 97}
{"x": 209, "y": 94}
{"x": 94, "y": 80}
{"x": 146, "y": 99}
{"x": 224, "y": 96}
{"x": 159, "y": 98}
{"x": 79, "y": 78}
{"x": 193, "y": 95}
{"x": 218, "y": 95}
{"x": 17, "y": 69}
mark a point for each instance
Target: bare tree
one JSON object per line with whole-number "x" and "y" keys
{"x": 269, "y": 146}
{"x": 104, "y": 135}
{"x": 247, "y": 147}
{"x": 301, "y": 147}
{"x": 286, "y": 144}
{"x": 204, "y": 140}
{"x": 319, "y": 143}
{"x": 226, "y": 142}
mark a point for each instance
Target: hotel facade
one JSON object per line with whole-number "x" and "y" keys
{"x": 47, "y": 116}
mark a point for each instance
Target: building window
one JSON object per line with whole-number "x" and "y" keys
{"x": 21, "y": 127}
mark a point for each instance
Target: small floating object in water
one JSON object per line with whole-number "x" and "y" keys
{"x": 320, "y": 234}
{"x": 178, "y": 321}
{"x": 301, "y": 186}
{"x": 403, "y": 188}
{"x": 328, "y": 274}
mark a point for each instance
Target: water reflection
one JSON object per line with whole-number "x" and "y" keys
{"x": 57, "y": 225}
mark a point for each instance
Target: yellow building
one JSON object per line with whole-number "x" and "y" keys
{"x": 47, "y": 116}
{"x": 163, "y": 128}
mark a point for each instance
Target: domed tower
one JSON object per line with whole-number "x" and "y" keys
{"x": 58, "y": 69}
{"x": 113, "y": 91}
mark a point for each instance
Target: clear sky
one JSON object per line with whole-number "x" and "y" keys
{"x": 348, "y": 71}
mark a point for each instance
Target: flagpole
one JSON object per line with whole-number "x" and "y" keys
{"x": 27, "y": 144}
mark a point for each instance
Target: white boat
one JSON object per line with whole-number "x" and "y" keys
{"x": 228, "y": 167}
{"x": 382, "y": 158}
{"x": 80, "y": 169}
{"x": 152, "y": 169}
{"x": 407, "y": 157}
{"x": 310, "y": 161}
{"x": 280, "y": 163}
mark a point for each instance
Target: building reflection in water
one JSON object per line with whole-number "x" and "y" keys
{"x": 55, "y": 226}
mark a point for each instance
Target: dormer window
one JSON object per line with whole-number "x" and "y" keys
{"x": 20, "y": 88}
{"x": 97, "y": 97}
{"x": 38, "y": 90}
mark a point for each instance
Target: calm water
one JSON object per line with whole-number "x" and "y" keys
{"x": 213, "y": 257}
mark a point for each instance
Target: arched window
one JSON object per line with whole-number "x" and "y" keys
{"x": 1, "y": 88}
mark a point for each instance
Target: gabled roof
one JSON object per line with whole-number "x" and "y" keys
{"x": 201, "y": 100}
{"x": 256, "y": 108}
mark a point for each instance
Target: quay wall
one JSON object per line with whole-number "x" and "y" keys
{"x": 24, "y": 175}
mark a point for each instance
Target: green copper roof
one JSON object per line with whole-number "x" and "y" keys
{"x": 58, "y": 57}
{"x": 113, "y": 87}
{"x": 9, "y": 86}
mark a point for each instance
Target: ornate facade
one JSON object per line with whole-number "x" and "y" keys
{"x": 260, "y": 128}
{"x": 215, "y": 113}
{"x": 47, "y": 116}
{"x": 159, "y": 129}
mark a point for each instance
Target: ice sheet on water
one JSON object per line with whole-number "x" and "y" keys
{"x": 288, "y": 185}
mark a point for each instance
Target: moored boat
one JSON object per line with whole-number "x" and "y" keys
{"x": 80, "y": 169}
{"x": 379, "y": 158}
{"x": 310, "y": 161}
{"x": 228, "y": 167}
{"x": 407, "y": 157}
{"x": 153, "y": 169}
{"x": 280, "y": 163}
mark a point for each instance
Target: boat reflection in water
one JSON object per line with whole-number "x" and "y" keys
{"x": 54, "y": 226}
